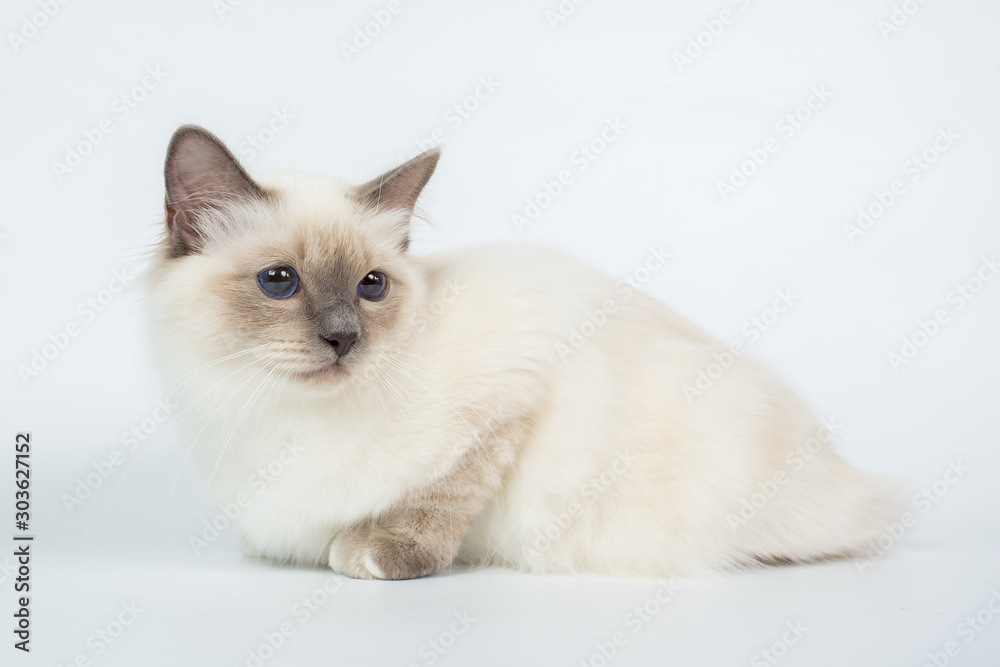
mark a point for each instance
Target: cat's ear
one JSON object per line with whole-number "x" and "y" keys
{"x": 400, "y": 187}
{"x": 200, "y": 174}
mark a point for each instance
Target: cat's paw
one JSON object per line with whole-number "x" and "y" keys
{"x": 375, "y": 553}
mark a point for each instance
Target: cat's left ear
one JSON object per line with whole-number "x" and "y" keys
{"x": 399, "y": 188}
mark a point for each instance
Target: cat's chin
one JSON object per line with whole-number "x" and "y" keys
{"x": 326, "y": 375}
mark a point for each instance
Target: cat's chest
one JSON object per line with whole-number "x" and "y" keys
{"x": 299, "y": 481}
{"x": 322, "y": 460}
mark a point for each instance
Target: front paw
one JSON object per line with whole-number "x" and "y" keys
{"x": 371, "y": 552}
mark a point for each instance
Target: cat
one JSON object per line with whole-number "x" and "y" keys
{"x": 387, "y": 415}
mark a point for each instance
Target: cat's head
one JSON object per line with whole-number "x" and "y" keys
{"x": 305, "y": 276}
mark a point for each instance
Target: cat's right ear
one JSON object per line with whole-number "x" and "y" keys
{"x": 201, "y": 174}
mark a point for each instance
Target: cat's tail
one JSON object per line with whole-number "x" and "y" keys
{"x": 829, "y": 509}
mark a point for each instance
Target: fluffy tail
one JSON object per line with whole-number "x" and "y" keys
{"x": 826, "y": 509}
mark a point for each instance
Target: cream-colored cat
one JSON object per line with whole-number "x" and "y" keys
{"x": 385, "y": 413}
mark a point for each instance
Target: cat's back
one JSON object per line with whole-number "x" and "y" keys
{"x": 532, "y": 292}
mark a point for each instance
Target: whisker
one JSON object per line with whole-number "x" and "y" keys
{"x": 263, "y": 359}
{"x": 175, "y": 423}
{"x": 240, "y": 418}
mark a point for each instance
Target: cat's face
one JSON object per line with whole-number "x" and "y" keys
{"x": 306, "y": 278}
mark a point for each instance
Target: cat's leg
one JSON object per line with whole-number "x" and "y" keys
{"x": 422, "y": 534}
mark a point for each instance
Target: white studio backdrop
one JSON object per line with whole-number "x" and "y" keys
{"x": 821, "y": 177}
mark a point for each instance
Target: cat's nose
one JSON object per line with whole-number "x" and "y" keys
{"x": 341, "y": 341}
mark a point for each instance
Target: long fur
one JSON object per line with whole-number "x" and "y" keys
{"x": 471, "y": 424}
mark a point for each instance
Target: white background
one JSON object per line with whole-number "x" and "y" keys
{"x": 687, "y": 127}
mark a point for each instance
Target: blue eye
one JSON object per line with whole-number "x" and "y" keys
{"x": 373, "y": 286}
{"x": 280, "y": 282}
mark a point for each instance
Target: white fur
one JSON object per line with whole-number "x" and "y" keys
{"x": 676, "y": 472}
